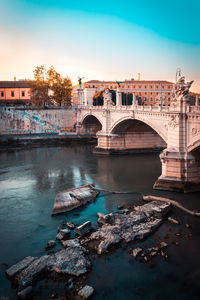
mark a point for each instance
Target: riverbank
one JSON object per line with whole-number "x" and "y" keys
{"x": 25, "y": 141}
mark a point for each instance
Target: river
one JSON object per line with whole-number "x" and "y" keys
{"x": 29, "y": 182}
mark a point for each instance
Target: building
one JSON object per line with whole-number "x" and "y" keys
{"x": 147, "y": 92}
{"x": 14, "y": 92}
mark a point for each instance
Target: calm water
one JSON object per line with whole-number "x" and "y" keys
{"x": 29, "y": 182}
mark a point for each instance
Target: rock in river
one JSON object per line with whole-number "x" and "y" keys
{"x": 86, "y": 292}
{"x": 69, "y": 261}
{"x": 131, "y": 226}
{"x": 71, "y": 199}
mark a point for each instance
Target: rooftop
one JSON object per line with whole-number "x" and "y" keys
{"x": 14, "y": 84}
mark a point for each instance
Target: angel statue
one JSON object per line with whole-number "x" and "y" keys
{"x": 80, "y": 80}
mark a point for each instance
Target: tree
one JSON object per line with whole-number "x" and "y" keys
{"x": 39, "y": 88}
{"x": 49, "y": 87}
{"x": 60, "y": 86}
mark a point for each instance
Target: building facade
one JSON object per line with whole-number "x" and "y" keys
{"x": 147, "y": 92}
{"x": 14, "y": 92}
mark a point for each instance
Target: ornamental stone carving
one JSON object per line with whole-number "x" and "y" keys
{"x": 181, "y": 89}
{"x": 173, "y": 121}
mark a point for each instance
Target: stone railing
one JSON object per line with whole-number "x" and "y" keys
{"x": 153, "y": 108}
{"x": 195, "y": 109}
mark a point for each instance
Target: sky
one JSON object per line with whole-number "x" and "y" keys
{"x": 104, "y": 40}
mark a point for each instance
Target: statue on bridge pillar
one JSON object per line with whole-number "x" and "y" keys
{"x": 118, "y": 94}
{"x": 80, "y": 91}
{"x": 180, "y": 94}
{"x": 107, "y": 98}
{"x": 134, "y": 101}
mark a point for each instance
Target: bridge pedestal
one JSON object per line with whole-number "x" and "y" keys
{"x": 180, "y": 172}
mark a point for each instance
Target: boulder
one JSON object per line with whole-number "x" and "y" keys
{"x": 71, "y": 243}
{"x": 63, "y": 234}
{"x": 71, "y": 199}
{"x": 17, "y": 268}
{"x": 83, "y": 229}
{"x": 129, "y": 225}
{"x": 136, "y": 251}
{"x": 70, "y": 225}
{"x": 154, "y": 208}
{"x": 86, "y": 292}
{"x": 69, "y": 261}
{"x": 140, "y": 231}
{"x": 50, "y": 244}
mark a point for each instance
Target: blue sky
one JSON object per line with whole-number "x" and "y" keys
{"x": 105, "y": 40}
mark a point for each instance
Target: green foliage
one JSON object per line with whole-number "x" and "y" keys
{"x": 49, "y": 87}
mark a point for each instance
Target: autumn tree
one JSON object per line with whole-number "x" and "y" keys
{"x": 49, "y": 87}
{"x": 39, "y": 88}
{"x": 61, "y": 87}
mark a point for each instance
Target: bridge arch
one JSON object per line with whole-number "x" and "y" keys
{"x": 147, "y": 122}
{"x": 194, "y": 145}
{"x": 91, "y": 124}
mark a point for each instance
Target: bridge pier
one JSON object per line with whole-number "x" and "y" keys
{"x": 180, "y": 172}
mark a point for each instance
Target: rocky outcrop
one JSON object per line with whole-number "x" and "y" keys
{"x": 71, "y": 199}
{"x": 83, "y": 229}
{"x": 70, "y": 261}
{"x": 128, "y": 226}
{"x": 20, "y": 266}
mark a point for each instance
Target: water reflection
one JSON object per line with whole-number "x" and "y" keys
{"x": 29, "y": 182}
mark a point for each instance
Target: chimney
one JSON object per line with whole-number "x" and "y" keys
{"x": 14, "y": 78}
{"x": 138, "y": 76}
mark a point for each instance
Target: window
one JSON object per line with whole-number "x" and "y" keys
{"x": 93, "y": 86}
{"x": 168, "y": 93}
{"x": 12, "y": 94}
{"x": 2, "y": 94}
{"x": 168, "y": 99}
{"x": 151, "y": 86}
{"x": 151, "y": 93}
{"x": 23, "y": 93}
{"x": 157, "y": 86}
{"x": 163, "y": 87}
{"x": 139, "y": 86}
{"x": 145, "y": 86}
{"x": 169, "y": 86}
{"x": 151, "y": 99}
{"x": 145, "y": 93}
{"x": 134, "y": 86}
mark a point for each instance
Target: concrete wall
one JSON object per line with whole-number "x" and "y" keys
{"x": 31, "y": 120}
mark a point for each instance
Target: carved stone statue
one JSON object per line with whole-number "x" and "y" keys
{"x": 107, "y": 97}
{"x": 181, "y": 89}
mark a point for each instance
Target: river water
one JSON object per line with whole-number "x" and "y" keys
{"x": 29, "y": 182}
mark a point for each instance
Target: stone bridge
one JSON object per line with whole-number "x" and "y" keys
{"x": 174, "y": 129}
